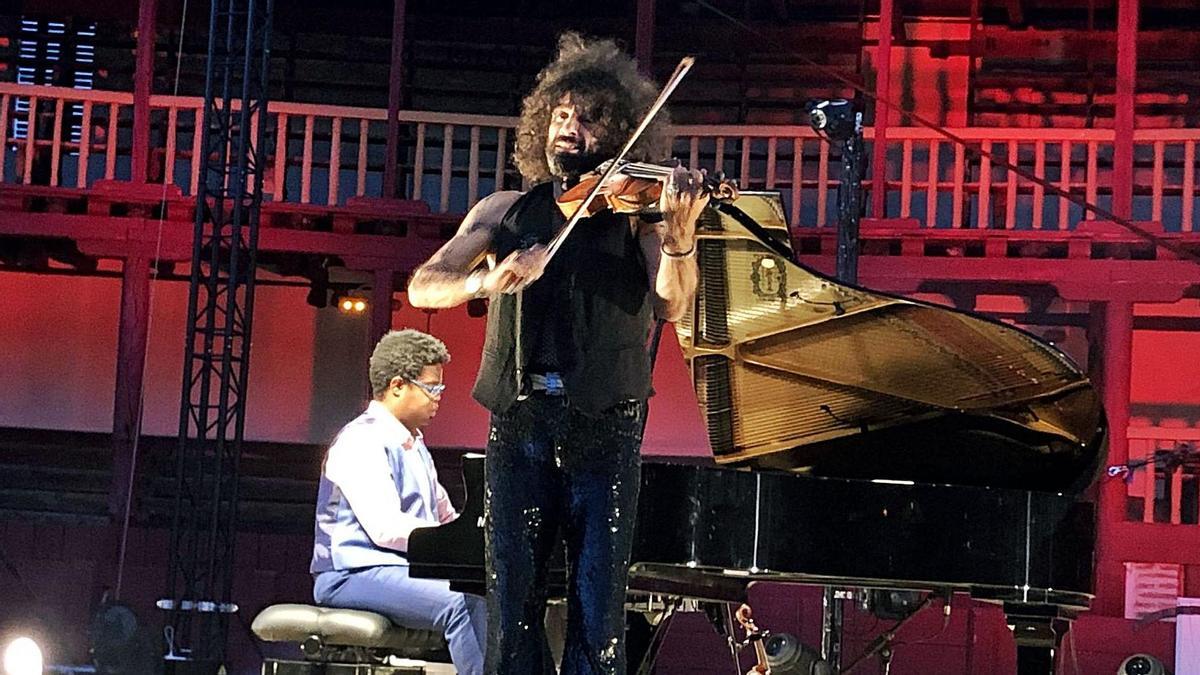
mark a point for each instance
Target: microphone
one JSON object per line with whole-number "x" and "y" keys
{"x": 835, "y": 117}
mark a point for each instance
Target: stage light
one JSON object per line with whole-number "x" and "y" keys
{"x": 893, "y": 605}
{"x": 23, "y": 656}
{"x": 121, "y": 645}
{"x": 352, "y": 304}
{"x": 788, "y": 656}
{"x": 1142, "y": 664}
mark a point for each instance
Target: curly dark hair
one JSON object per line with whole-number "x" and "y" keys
{"x": 602, "y": 80}
{"x": 404, "y": 354}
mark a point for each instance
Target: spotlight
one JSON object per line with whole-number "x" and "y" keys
{"x": 893, "y": 605}
{"x": 23, "y": 656}
{"x": 351, "y": 304}
{"x": 120, "y": 644}
{"x": 788, "y": 656}
{"x": 1142, "y": 664}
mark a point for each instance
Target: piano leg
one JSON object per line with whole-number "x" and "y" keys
{"x": 641, "y": 641}
{"x": 832, "y": 616}
{"x": 1038, "y": 631}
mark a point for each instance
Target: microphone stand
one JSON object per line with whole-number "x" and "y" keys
{"x": 837, "y": 121}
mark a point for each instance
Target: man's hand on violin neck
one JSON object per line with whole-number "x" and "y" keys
{"x": 683, "y": 198}
{"x": 517, "y": 271}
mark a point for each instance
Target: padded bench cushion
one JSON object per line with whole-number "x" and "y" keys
{"x": 340, "y": 627}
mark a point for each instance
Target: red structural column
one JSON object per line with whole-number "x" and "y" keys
{"x": 883, "y": 86}
{"x": 1116, "y": 370}
{"x": 644, "y": 37}
{"x": 143, "y": 85}
{"x": 395, "y": 87}
{"x": 131, "y": 362}
{"x": 1124, "y": 121}
{"x": 381, "y": 303}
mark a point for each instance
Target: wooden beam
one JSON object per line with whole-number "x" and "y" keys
{"x": 1116, "y": 342}
{"x": 883, "y": 92}
{"x": 381, "y": 302}
{"x": 132, "y": 331}
{"x": 1060, "y": 46}
{"x": 395, "y": 91}
{"x": 1016, "y": 12}
{"x": 644, "y": 37}
{"x": 1124, "y": 121}
{"x": 143, "y": 86}
{"x": 898, "y": 32}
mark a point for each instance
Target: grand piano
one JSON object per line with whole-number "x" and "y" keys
{"x": 859, "y": 440}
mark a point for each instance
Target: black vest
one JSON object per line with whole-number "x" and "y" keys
{"x": 595, "y": 287}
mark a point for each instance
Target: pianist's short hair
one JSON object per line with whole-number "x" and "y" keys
{"x": 404, "y": 354}
{"x": 601, "y": 80}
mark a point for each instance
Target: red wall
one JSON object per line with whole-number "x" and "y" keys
{"x": 58, "y": 345}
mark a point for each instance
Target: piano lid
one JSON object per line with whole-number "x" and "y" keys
{"x": 792, "y": 369}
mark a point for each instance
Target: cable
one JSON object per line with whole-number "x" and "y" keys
{"x": 962, "y": 142}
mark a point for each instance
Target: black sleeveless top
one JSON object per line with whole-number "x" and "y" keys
{"x": 588, "y": 316}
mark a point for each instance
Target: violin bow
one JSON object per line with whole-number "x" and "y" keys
{"x": 685, "y": 64}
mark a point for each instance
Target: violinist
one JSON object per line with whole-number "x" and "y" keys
{"x": 565, "y": 370}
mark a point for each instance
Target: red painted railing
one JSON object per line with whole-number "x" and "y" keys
{"x": 1167, "y": 488}
{"x": 325, "y": 155}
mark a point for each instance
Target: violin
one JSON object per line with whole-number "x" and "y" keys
{"x": 634, "y": 187}
{"x": 757, "y": 637}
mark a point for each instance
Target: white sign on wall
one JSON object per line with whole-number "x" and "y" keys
{"x": 1151, "y": 587}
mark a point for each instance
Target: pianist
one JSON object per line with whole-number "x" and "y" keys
{"x": 565, "y": 370}
{"x": 378, "y": 483}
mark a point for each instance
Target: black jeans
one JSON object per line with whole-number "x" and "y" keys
{"x": 550, "y": 466}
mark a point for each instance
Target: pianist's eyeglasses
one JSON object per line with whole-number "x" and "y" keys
{"x": 433, "y": 390}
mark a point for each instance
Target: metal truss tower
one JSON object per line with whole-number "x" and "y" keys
{"x": 217, "y": 351}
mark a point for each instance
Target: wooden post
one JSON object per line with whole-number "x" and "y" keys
{"x": 644, "y": 37}
{"x": 883, "y": 92}
{"x": 381, "y": 304}
{"x": 131, "y": 362}
{"x": 1124, "y": 121}
{"x": 143, "y": 86}
{"x": 1115, "y": 338}
{"x": 395, "y": 88}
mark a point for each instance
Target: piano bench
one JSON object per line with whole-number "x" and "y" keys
{"x": 350, "y": 641}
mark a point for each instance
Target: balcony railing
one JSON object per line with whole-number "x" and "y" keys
{"x": 1166, "y": 489}
{"x": 326, "y": 155}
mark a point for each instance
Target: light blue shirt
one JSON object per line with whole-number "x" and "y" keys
{"x": 378, "y": 483}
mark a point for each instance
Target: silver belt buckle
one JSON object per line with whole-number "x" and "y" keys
{"x": 550, "y": 383}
